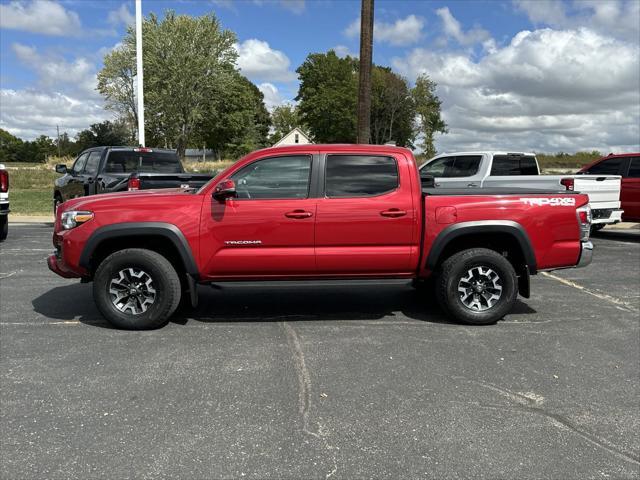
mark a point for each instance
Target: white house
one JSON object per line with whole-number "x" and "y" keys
{"x": 294, "y": 137}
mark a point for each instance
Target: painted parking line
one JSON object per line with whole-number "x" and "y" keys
{"x": 630, "y": 307}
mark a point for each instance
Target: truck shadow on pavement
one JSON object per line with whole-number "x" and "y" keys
{"x": 271, "y": 304}
{"x": 631, "y": 235}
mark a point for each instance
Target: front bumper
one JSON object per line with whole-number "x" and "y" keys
{"x": 586, "y": 254}
{"x": 57, "y": 266}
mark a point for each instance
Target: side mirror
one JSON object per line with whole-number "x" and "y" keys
{"x": 225, "y": 189}
{"x": 61, "y": 168}
{"x": 428, "y": 181}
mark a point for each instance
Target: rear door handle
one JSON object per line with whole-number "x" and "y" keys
{"x": 298, "y": 214}
{"x": 393, "y": 213}
{"x": 472, "y": 184}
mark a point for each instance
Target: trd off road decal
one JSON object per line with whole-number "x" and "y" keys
{"x": 552, "y": 202}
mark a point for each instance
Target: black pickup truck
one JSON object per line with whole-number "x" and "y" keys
{"x": 116, "y": 169}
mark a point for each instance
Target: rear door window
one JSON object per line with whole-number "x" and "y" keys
{"x": 634, "y": 167}
{"x": 510, "y": 165}
{"x": 123, "y": 161}
{"x": 360, "y": 175}
{"x": 610, "y": 166}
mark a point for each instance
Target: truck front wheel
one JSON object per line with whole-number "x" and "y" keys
{"x": 477, "y": 286}
{"x": 136, "y": 289}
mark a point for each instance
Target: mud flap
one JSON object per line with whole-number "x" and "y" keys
{"x": 193, "y": 291}
{"x": 524, "y": 283}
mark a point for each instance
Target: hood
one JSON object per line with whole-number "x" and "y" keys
{"x": 124, "y": 198}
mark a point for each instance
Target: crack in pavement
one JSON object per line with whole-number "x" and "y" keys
{"x": 530, "y": 403}
{"x": 304, "y": 393}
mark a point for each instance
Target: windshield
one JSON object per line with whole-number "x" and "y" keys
{"x": 129, "y": 161}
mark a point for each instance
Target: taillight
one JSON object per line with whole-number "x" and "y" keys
{"x": 143, "y": 150}
{"x": 4, "y": 181}
{"x": 568, "y": 183}
{"x": 584, "y": 221}
{"x": 133, "y": 184}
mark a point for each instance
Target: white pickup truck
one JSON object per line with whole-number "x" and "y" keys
{"x": 520, "y": 170}
{"x": 4, "y": 202}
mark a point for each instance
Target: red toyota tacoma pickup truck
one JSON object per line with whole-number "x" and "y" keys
{"x": 310, "y": 212}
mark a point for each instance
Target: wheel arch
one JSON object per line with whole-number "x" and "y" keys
{"x": 485, "y": 233}
{"x": 164, "y": 238}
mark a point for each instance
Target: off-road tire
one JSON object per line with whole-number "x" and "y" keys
{"x": 4, "y": 227}
{"x": 456, "y": 267}
{"x": 165, "y": 281}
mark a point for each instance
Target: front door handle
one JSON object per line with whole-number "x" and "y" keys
{"x": 472, "y": 184}
{"x": 393, "y": 213}
{"x": 298, "y": 214}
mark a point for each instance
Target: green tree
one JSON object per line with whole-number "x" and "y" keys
{"x": 427, "y": 106}
{"x": 284, "y": 118}
{"x": 327, "y": 97}
{"x": 101, "y": 134}
{"x": 116, "y": 83}
{"x": 188, "y": 63}
{"x": 392, "y": 109}
{"x": 10, "y": 147}
{"x": 237, "y": 122}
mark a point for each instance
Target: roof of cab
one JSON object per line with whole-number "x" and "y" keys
{"x": 335, "y": 147}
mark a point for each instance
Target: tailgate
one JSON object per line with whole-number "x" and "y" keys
{"x": 603, "y": 191}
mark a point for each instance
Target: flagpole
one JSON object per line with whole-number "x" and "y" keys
{"x": 139, "y": 72}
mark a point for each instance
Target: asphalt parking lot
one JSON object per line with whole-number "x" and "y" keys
{"x": 322, "y": 381}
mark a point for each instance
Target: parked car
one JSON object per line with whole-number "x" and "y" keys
{"x": 4, "y": 202}
{"x": 310, "y": 212}
{"x": 521, "y": 170}
{"x": 628, "y": 166}
{"x": 116, "y": 169}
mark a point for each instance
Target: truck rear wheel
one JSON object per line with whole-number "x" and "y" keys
{"x": 477, "y": 286}
{"x": 136, "y": 289}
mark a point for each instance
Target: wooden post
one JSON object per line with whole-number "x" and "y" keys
{"x": 364, "y": 82}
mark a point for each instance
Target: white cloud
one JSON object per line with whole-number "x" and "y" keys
{"x": 78, "y": 76}
{"x": 343, "y": 51}
{"x": 121, "y": 15}
{"x": 272, "y": 97}
{"x": 404, "y": 31}
{"x": 40, "y": 16}
{"x": 258, "y": 61}
{"x": 30, "y": 113}
{"x": 616, "y": 18}
{"x": 63, "y": 94}
{"x": 544, "y": 91}
{"x": 452, "y": 28}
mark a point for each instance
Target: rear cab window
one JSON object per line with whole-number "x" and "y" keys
{"x": 360, "y": 175}
{"x": 510, "y": 165}
{"x": 130, "y": 161}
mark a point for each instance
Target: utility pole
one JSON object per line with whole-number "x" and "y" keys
{"x": 364, "y": 83}
{"x": 58, "y": 132}
{"x": 139, "y": 72}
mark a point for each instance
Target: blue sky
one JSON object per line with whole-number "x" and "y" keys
{"x": 543, "y": 75}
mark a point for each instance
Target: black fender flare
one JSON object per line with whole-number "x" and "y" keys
{"x": 117, "y": 230}
{"x": 456, "y": 230}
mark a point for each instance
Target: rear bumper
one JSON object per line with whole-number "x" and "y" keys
{"x": 607, "y": 215}
{"x": 57, "y": 267}
{"x": 586, "y": 254}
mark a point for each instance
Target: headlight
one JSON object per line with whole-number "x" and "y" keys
{"x": 73, "y": 218}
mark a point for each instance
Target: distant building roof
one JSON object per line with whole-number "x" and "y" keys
{"x": 294, "y": 137}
